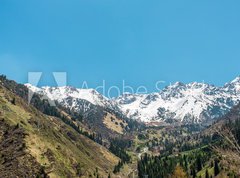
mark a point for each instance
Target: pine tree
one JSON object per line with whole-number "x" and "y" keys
{"x": 194, "y": 173}
{"x": 216, "y": 168}
{"x": 185, "y": 162}
{"x": 199, "y": 163}
{"x": 206, "y": 174}
{"x": 13, "y": 101}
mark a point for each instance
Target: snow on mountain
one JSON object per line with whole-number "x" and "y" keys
{"x": 233, "y": 86}
{"x": 62, "y": 93}
{"x": 193, "y": 102}
{"x": 84, "y": 101}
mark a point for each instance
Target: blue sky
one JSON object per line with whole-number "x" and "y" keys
{"x": 138, "y": 41}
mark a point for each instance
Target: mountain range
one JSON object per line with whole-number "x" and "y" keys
{"x": 183, "y": 103}
{"x": 88, "y": 135}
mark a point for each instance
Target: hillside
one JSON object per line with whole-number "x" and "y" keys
{"x": 44, "y": 145}
{"x": 83, "y": 114}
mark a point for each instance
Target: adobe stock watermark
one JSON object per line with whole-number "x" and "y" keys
{"x": 34, "y": 78}
{"x": 61, "y": 80}
{"x": 109, "y": 92}
{"x": 123, "y": 89}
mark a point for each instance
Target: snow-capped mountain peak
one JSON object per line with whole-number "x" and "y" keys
{"x": 61, "y": 93}
{"x": 233, "y": 86}
{"x": 193, "y": 102}
{"x": 236, "y": 80}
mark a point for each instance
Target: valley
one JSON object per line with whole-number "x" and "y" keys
{"x": 94, "y": 138}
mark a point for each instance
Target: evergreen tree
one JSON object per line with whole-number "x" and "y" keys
{"x": 13, "y": 101}
{"x": 194, "y": 173}
{"x": 206, "y": 174}
{"x": 199, "y": 163}
{"x": 216, "y": 168}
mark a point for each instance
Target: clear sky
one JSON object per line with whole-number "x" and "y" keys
{"x": 139, "y": 41}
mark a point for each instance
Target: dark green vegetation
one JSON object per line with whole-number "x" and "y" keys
{"x": 192, "y": 163}
{"x": 213, "y": 152}
{"x": 118, "y": 147}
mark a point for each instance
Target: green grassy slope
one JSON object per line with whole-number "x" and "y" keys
{"x": 55, "y": 146}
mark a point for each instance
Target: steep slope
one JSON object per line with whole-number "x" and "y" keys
{"x": 227, "y": 130}
{"x": 15, "y": 161}
{"x": 42, "y": 143}
{"x": 91, "y": 108}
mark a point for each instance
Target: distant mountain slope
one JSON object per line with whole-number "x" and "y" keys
{"x": 62, "y": 93}
{"x": 42, "y": 145}
{"x": 194, "y": 102}
{"x": 91, "y": 106}
{"x": 187, "y": 103}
